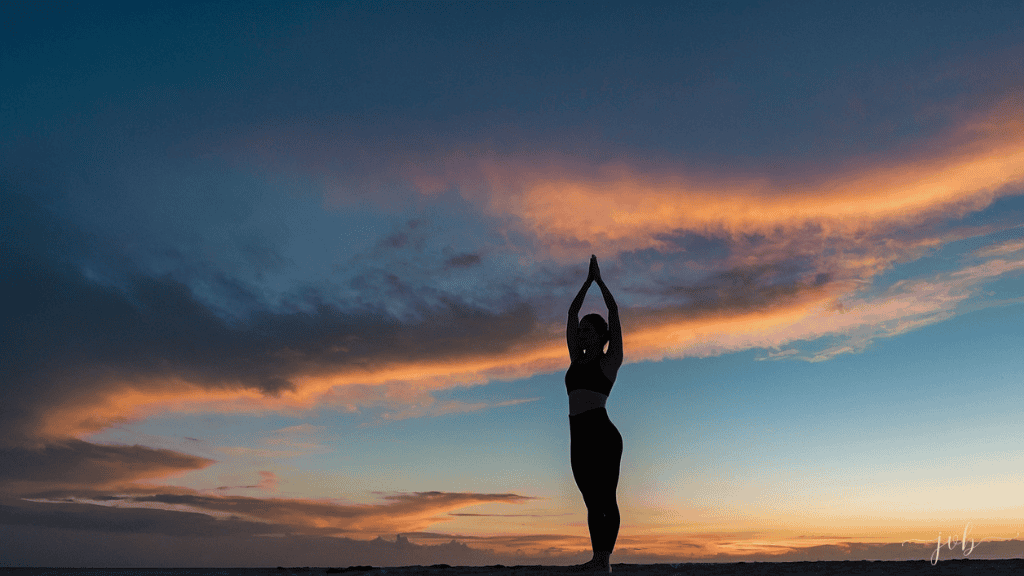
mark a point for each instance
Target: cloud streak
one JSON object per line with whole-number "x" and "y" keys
{"x": 571, "y": 206}
{"x": 145, "y": 509}
{"x": 73, "y": 464}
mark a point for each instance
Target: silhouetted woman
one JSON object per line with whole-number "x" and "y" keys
{"x": 596, "y": 444}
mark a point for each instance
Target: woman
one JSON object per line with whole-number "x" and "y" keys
{"x": 596, "y": 446}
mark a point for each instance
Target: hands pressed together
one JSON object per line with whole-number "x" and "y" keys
{"x": 615, "y": 331}
{"x": 595, "y": 271}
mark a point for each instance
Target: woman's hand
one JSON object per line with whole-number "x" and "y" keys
{"x": 595, "y": 272}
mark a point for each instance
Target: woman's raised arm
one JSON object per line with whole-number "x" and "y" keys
{"x": 614, "y": 328}
{"x": 572, "y": 325}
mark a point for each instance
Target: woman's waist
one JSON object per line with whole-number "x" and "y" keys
{"x": 583, "y": 400}
{"x": 590, "y": 424}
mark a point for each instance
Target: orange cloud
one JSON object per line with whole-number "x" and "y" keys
{"x": 619, "y": 207}
{"x": 803, "y": 311}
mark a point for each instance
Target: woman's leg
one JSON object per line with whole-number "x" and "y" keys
{"x": 595, "y": 454}
{"x": 602, "y": 506}
{"x": 603, "y": 520}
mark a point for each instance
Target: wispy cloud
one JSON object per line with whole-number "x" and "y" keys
{"x": 905, "y": 306}
{"x": 73, "y": 464}
{"x": 403, "y": 512}
{"x": 435, "y": 408}
{"x": 267, "y": 483}
{"x": 572, "y": 207}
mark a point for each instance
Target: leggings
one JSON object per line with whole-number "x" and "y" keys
{"x": 595, "y": 451}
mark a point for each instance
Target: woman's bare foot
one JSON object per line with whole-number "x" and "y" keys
{"x": 601, "y": 564}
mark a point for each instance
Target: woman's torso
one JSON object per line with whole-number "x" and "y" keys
{"x": 588, "y": 385}
{"x": 589, "y": 375}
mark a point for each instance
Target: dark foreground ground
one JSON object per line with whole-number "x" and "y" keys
{"x": 923, "y": 567}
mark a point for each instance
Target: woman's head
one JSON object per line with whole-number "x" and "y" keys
{"x": 593, "y": 332}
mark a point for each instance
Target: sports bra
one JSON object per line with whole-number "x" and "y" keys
{"x": 587, "y": 376}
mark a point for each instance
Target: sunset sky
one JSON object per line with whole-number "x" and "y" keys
{"x": 286, "y": 284}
